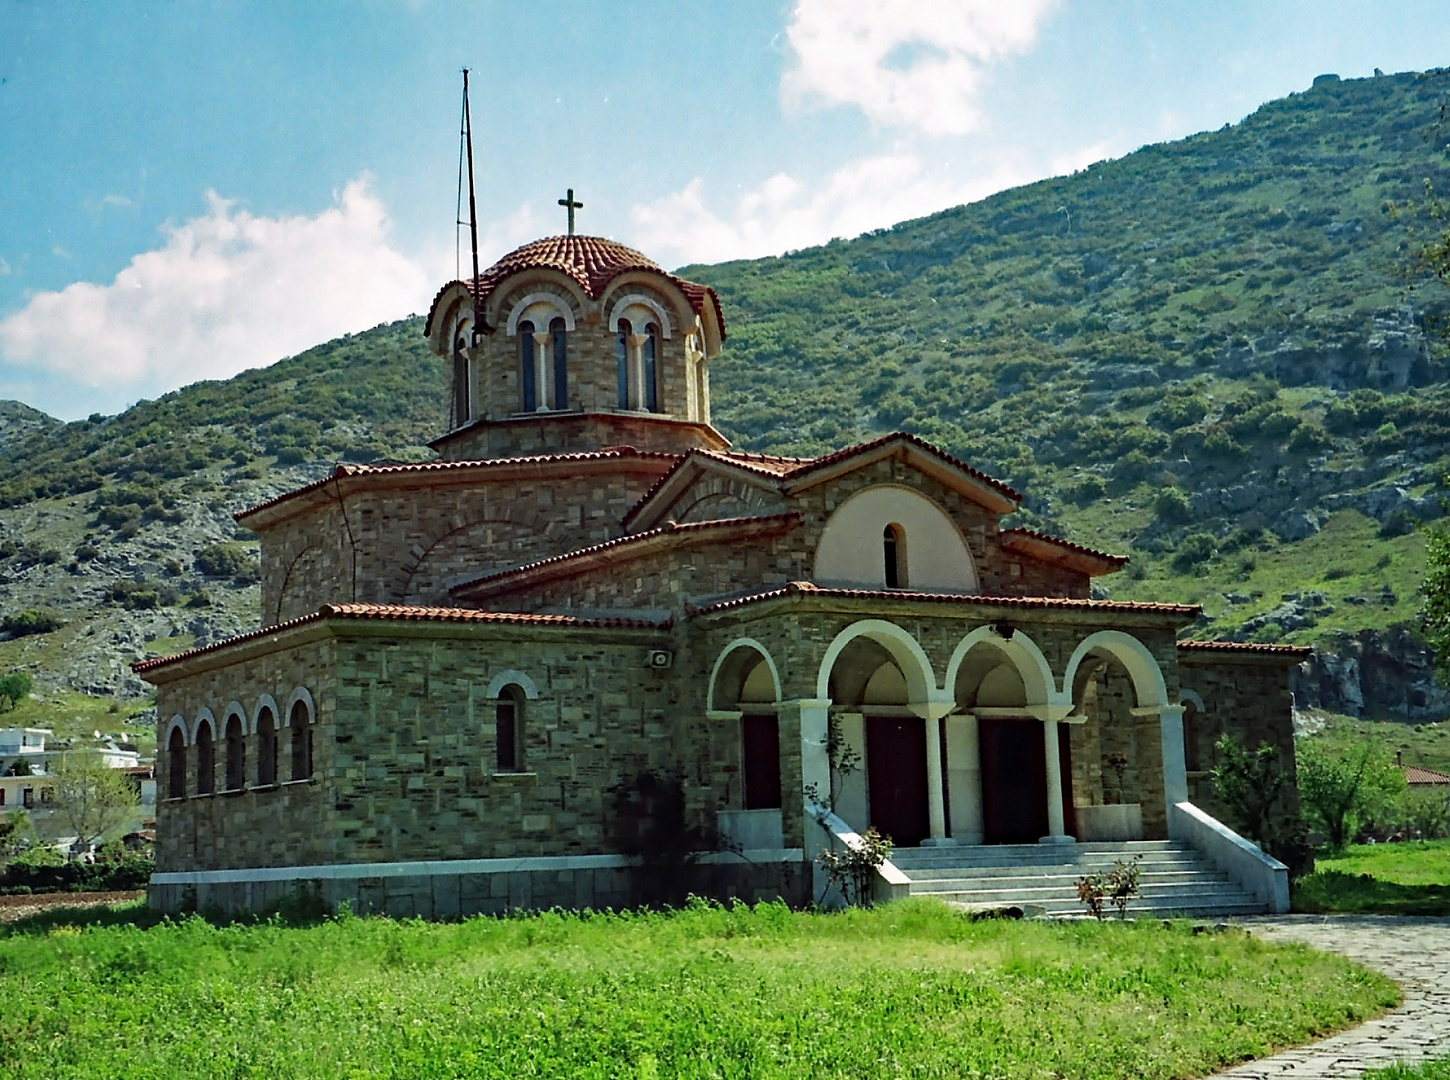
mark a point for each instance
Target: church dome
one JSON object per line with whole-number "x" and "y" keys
{"x": 593, "y": 262}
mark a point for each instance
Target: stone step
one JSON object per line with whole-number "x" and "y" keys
{"x": 1214, "y": 890}
{"x": 1165, "y": 861}
{"x": 1118, "y": 849}
{"x": 1066, "y": 878}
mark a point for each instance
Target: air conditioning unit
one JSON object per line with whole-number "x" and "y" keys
{"x": 660, "y": 658}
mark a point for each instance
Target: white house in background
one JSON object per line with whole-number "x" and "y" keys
{"x": 25, "y": 765}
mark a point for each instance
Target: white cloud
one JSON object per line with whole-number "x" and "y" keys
{"x": 784, "y": 213}
{"x": 227, "y": 291}
{"x": 905, "y": 63}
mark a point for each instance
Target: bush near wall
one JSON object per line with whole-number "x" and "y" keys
{"x": 132, "y": 872}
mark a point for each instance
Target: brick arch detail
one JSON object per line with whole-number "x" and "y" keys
{"x": 296, "y": 560}
{"x": 527, "y": 520}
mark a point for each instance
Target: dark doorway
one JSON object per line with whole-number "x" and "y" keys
{"x": 761, "y": 762}
{"x": 1014, "y": 781}
{"x": 896, "y": 775}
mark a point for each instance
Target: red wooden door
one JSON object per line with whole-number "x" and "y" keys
{"x": 1014, "y": 780}
{"x": 896, "y": 776}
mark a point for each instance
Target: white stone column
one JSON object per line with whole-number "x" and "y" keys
{"x": 964, "y": 774}
{"x": 1056, "y": 830}
{"x": 931, "y": 713}
{"x": 1175, "y": 767}
{"x": 543, "y": 355}
{"x": 815, "y": 772}
{"x": 636, "y": 370}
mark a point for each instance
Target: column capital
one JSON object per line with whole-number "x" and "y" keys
{"x": 938, "y": 703}
{"x": 1159, "y": 710}
{"x": 805, "y": 703}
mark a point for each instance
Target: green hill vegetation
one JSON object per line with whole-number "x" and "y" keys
{"x": 1210, "y": 354}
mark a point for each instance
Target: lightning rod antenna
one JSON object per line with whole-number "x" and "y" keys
{"x": 472, "y": 206}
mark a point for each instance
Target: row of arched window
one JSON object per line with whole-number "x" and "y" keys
{"x": 544, "y": 367}
{"x": 273, "y": 748}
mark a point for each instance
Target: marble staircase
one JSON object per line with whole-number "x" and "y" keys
{"x": 1042, "y": 878}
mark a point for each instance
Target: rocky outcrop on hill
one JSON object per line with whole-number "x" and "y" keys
{"x": 1373, "y": 672}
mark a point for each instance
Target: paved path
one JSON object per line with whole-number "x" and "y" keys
{"x": 1415, "y": 952}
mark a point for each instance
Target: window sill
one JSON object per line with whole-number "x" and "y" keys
{"x": 514, "y": 775}
{"x": 293, "y": 783}
{"x": 174, "y": 799}
{"x": 204, "y": 795}
{"x": 264, "y": 787}
{"x": 229, "y": 792}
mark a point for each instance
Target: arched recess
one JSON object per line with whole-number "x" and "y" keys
{"x": 512, "y": 677}
{"x": 565, "y": 289}
{"x": 1191, "y": 697}
{"x": 621, "y": 306}
{"x": 424, "y": 575}
{"x": 545, "y": 305}
{"x": 303, "y": 695}
{"x": 1020, "y": 650}
{"x": 735, "y": 667}
{"x": 454, "y": 304}
{"x": 1142, "y": 667}
{"x": 904, "y": 650}
{"x": 204, "y": 716}
{"x": 237, "y": 709}
{"x": 177, "y": 722}
{"x": 265, "y": 701}
{"x": 935, "y": 557}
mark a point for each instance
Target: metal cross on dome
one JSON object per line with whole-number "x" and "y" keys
{"x": 568, "y": 203}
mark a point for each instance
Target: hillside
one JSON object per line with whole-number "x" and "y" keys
{"x": 1206, "y": 354}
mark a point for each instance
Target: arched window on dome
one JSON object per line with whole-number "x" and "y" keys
{"x": 893, "y": 550}
{"x": 650, "y": 368}
{"x": 560, "y": 335}
{"x": 462, "y": 405}
{"x": 625, "y": 332}
{"x": 529, "y": 399}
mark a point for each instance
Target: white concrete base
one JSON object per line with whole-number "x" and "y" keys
{"x": 1116, "y": 821}
{"x": 1057, "y": 840}
{"x": 939, "y": 841}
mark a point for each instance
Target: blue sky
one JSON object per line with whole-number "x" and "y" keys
{"x": 191, "y": 189}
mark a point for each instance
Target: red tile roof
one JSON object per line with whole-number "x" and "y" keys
{"x": 746, "y": 526}
{"x": 592, "y": 261}
{"x": 1414, "y": 774}
{"x": 806, "y": 588}
{"x": 1301, "y": 652}
{"x": 347, "y": 470}
{"x": 1089, "y": 560}
{"x": 401, "y": 613}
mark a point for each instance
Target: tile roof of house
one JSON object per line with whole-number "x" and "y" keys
{"x": 1299, "y": 651}
{"x": 592, "y": 261}
{"x": 1039, "y": 545}
{"x": 346, "y": 470}
{"x": 401, "y": 613}
{"x": 787, "y": 469}
{"x": 1415, "y": 774}
{"x": 806, "y": 588}
{"x": 737, "y": 526}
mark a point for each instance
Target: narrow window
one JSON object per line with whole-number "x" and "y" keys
{"x": 266, "y": 749}
{"x": 893, "y": 547}
{"x": 236, "y": 754}
{"x": 205, "y": 761}
{"x": 526, "y": 367}
{"x": 301, "y": 742}
{"x": 1192, "y": 758}
{"x": 651, "y": 366}
{"x": 27, "y": 798}
{"x": 561, "y": 363}
{"x": 625, "y": 330}
{"x": 462, "y": 407}
{"x": 176, "y": 765}
{"x": 761, "y": 761}
{"x": 2, "y": 796}
{"x": 508, "y": 720}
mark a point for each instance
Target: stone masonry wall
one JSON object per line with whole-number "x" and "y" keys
{"x": 285, "y": 824}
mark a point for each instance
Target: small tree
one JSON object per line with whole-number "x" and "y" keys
{"x": 14, "y": 688}
{"x": 1435, "y": 599}
{"x": 92, "y": 798}
{"x": 1249, "y": 783}
{"x": 1342, "y": 790}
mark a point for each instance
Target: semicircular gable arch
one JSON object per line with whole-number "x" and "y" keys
{"x": 266, "y": 701}
{"x": 936, "y": 557}
{"x": 405, "y": 587}
{"x": 553, "y": 301}
{"x": 629, "y": 300}
{"x": 1021, "y": 651}
{"x": 499, "y": 296}
{"x": 303, "y": 695}
{"x": 749, "y": 645}
{"x": 511, "y": 677}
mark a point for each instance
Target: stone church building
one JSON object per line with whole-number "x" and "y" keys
{"x": 591, "y": 635}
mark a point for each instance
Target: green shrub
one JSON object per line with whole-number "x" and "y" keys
{"x": 14, "y": 688}
{"x": 1171, "y": 504}
{"x": 1309, "y": 438}
{"x": 1196, "y": 549}
{"x": 30, "y": 621}
{"x": 226, "y": 561}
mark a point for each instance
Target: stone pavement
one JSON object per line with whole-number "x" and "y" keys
{"x": 1415, "y": 952}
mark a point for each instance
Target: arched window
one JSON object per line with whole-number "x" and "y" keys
{"x": 509, "y": 729}
{"x": 625, "y": 330}
{"x": 266, "y": 748}
{"x": 651, "y": 395}
{"x": 462, "y": 406}
{"x": 176, "y": 765}
{"x": 236, "y": 753}
{"x": 1192, "y": 754}
{"x": 530, "y": 397}
{"x": 205, "y": 760}
{"x": 560, "y": 337}
{"x": 893, "y": 550}
{"x": 301, "y": 742}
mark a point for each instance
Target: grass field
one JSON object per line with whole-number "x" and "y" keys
{"x": 1430, "y": 1070}
{"x": 912, "y": 989}
{"x": 1412, "y": 878}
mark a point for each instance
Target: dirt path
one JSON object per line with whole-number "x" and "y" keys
{"x": 14, "y": 908}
